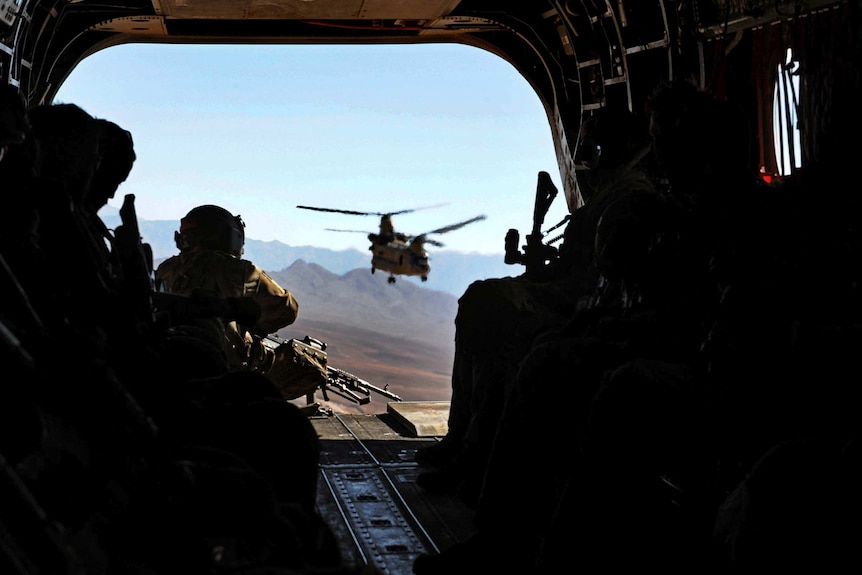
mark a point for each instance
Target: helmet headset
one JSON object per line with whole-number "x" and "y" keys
{"x": 213, "y": 228}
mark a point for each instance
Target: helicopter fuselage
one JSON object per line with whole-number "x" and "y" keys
{"x": 393, "y": 253}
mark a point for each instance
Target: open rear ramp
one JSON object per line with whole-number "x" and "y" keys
{"x": 422, "y": 418}
{"x": 367, "y": 489}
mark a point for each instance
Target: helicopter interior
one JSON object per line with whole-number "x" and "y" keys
{"x": 793, "y": 66}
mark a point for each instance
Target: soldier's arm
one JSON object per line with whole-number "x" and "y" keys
{"x": 278, "y": 307}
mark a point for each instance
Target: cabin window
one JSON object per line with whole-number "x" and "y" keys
{"x": 261, "y": 129}
{"x": 785, "y": 120}
{"x": 371, "y": 128}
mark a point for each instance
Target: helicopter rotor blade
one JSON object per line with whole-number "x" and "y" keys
{"x": 423, "y": 239}
{"x": 434, "y": 243}
{"x": 353, "y": 231}
{"x": 352, "y": 212}
{"x": 357, "y": 213}
{"x": 454, "y": 227}
{"x": 412, "y": 210}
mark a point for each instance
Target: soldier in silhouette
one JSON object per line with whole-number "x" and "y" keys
{"x": 498, "y": 320}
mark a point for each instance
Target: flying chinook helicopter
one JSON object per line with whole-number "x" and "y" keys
{"x": 396, "y": 252}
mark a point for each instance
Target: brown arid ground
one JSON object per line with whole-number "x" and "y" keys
{"x": 414, "y": 370}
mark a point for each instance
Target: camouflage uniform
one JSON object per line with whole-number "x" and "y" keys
{"x": 226, "y": 276}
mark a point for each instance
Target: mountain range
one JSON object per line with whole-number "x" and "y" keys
{"x": 451, "y": 271}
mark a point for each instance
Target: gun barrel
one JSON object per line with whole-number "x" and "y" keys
{"x": 384, "y": 392}
{"x": 338, "y": 389}
{"x": 359, "y": 384}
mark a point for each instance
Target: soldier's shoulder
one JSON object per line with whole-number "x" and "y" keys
{"x": 169, "y": 263}
{"x": 210, "y": 260}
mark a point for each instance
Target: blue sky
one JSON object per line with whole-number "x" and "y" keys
{"x": 262, "y": 129}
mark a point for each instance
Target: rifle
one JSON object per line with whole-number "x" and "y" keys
{"x": 134, "y": 268}
{"x": 338, "y": 381}
{"x": 536, "y": 254}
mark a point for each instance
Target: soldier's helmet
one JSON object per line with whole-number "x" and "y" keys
{"x": 213, "y": 228}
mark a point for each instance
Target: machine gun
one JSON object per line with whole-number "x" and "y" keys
{"x": 298, "y": 367}
{"x": 353, "y": 388}
{"x": 312, "y": 351}
{"x": 536, "y": 254}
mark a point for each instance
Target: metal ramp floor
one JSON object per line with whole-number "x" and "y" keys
{"x": 367, "y": 491}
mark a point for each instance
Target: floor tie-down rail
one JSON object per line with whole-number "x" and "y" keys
{"x": 368, "y": 496}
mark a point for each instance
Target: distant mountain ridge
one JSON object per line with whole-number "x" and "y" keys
{"x": 451, "y": 271}
{"x": 362, "y": 300}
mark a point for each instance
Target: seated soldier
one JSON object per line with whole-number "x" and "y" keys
{"x": 499, "y": 318}
{"x": 117, "y": 157}
{"x": 178, "y": 441}
{"x": 650, "y": 471}
{"x": 221, "y": 308}
{"x": 210, "y": 265}
{"x": 54, "y": 167}
{"x": 234, "y": 304}
{"x": 567, "y": 361}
